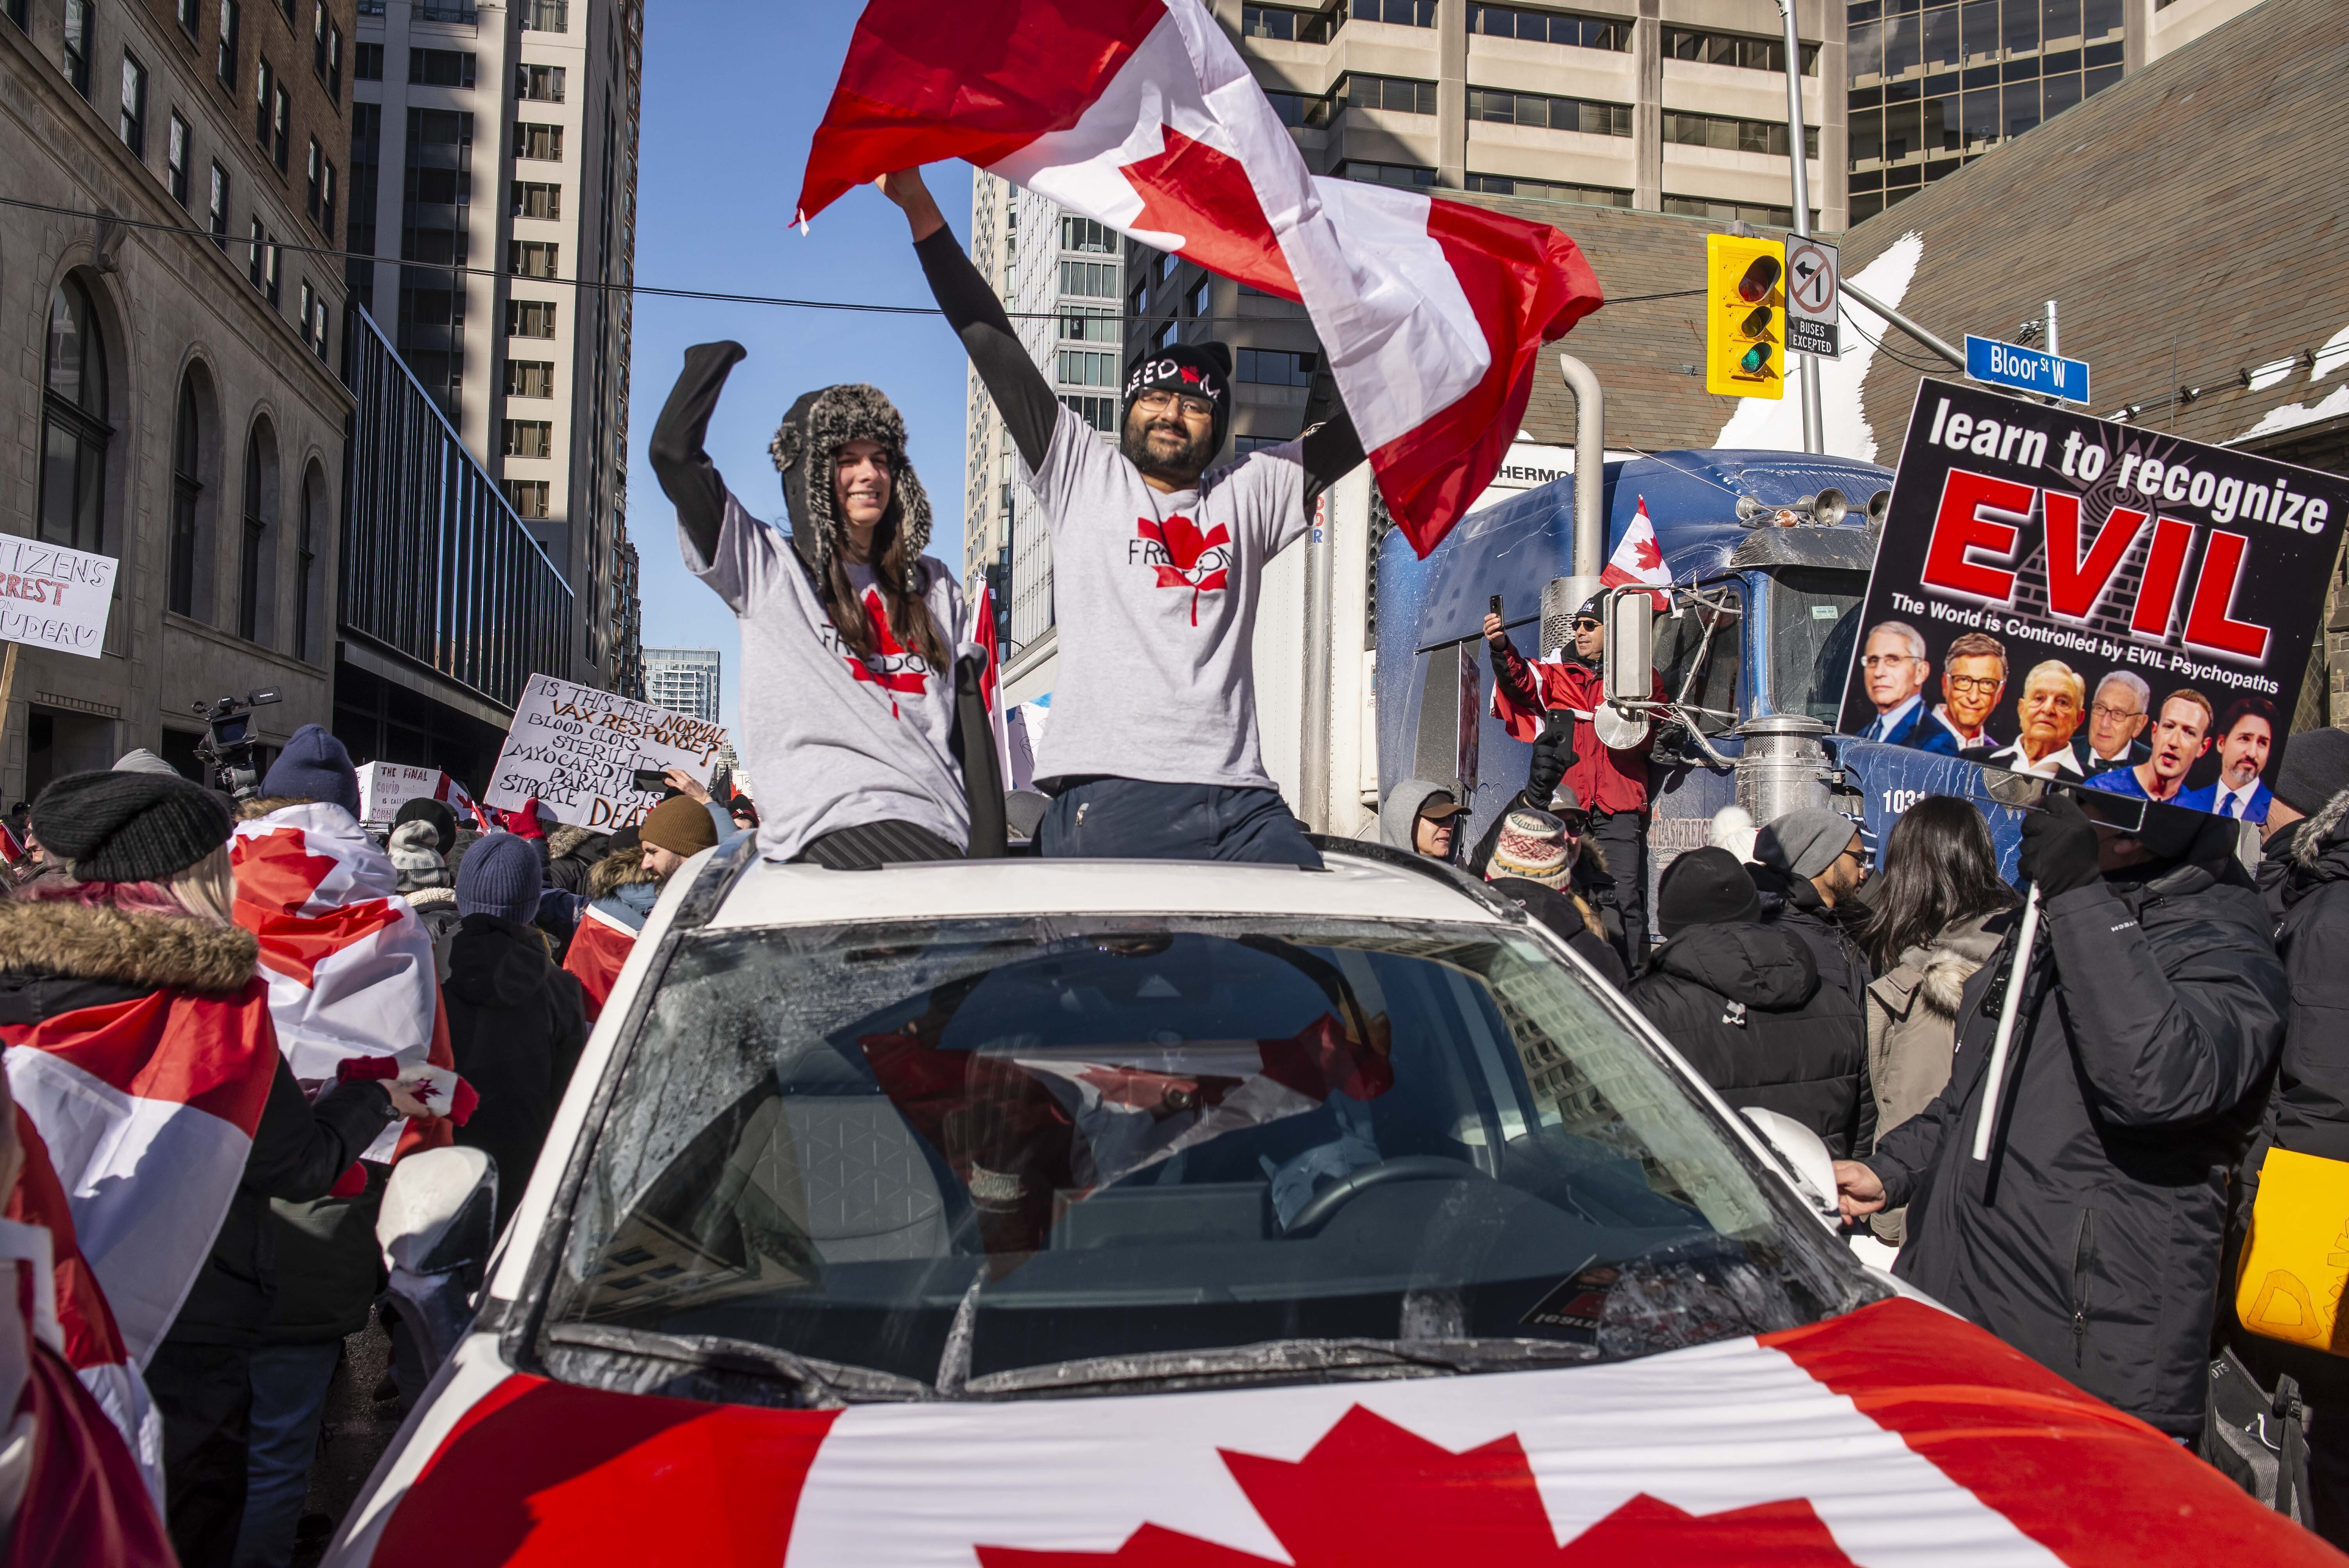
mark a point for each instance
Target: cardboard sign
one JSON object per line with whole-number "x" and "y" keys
{"x": 385, "y": 787}
{"x": 575, "y": 749}
{"x": 52, "y": 597}
{"x": 2092, "y": 601}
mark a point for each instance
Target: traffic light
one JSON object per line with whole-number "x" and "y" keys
{"x": 1745, "y": 317}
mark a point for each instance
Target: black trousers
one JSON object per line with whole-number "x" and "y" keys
{"x": 204, "y": 1394}
{"x": 1622, "y": 838}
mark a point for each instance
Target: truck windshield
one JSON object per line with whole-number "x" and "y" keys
{"x": 1813, "y": 625}
{"x": 934, "y": 1155}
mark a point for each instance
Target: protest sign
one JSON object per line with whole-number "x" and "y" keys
{"x": 385, "y": 787}
{"x": 575, "y": 749}
{"x": 2091, "y": 602}
{"x": 52, "y": 597}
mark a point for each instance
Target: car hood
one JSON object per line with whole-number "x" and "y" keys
{"x": 1893, "y": 1435}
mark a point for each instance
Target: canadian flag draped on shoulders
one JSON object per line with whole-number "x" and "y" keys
{"x": 348, "y": 964}
{"x": 1141, "y": 115}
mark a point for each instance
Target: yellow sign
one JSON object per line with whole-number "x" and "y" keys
{"x": 1745, "y": 317}
{"x": 2287, "y": 1286}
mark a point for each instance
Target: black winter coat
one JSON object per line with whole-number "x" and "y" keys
{"x": 1792, "y": 905}
{"x": 2090, "y": 1239}
{"x": 516, "y": 1025}
{"x": 1565, "y": 915}
{"x": 2311, "y": 1109}
{"x": 1744, "y": 1005}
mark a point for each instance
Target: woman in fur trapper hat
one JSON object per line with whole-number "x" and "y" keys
{"x": 853, "y": 702}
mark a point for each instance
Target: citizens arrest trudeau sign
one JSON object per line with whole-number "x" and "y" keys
{"x": 2026, "y": 370}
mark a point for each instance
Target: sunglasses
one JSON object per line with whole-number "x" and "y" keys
{"x": 1586, "y": 625}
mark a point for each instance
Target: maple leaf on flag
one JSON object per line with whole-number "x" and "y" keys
{"x": 1372, "y": 1493}
{"x": 1645, "y": 554}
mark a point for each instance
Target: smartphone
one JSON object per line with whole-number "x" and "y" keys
{"x": 651, "y": 780}
{"x": 1493, "y": 603}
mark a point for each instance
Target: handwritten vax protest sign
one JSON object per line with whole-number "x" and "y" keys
{"x": 576, "y": 749}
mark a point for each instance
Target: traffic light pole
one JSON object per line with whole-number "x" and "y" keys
{"x": 1927, "y": 339}
{"x": 1813, "y": 436}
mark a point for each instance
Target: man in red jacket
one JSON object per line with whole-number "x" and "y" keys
{"x": 1611, "y": 783}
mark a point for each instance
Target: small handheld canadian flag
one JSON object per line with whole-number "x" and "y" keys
{"x": 1639, "y": 558}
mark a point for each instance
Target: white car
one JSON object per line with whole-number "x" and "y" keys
{"x": 1016, "y": 1213}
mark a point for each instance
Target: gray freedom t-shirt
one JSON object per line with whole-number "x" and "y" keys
{"x": 833, "y": 741}
{"x": 1155, "y": 598}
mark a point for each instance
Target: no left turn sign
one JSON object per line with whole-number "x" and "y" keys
{"x": 1813, "y": 269}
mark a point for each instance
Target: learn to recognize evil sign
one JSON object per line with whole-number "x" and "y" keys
{"x": 2091, "y": 602}
{"x": 576, "y": 749}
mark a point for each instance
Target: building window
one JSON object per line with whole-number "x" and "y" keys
{"x": 1719, "y": 132}
{"x": 1552, "y": 27}
{"x": 259, "y": 247}
{"x": 225, "y": 57}
{"x": 1548, "y": 191}
{"x": 529, "y": 438}
{"x": 539, "y": 84}
{"x": 530, "y": 318}
{"x": 187, "y": 494}
{"x": 1094, "y": 280}
{"x": 335, "y": 63}
{"x": 1750, "y": 54}
{"x": 533, "y": 258}
{"x": 306, "y": 562}
{"x": 21, "y": 13}
{"x": 191, "y": 16}
{"x": 1091, "y": 323}
{"x": 314, "y": 172}
{"x": 281, "y": 124}
{"x": 543, "y": 142}
{"x": 1084, "y": 235}
{"x": 1299, "y": 109}
{"x": 133, "y": 124}
{"x": 529, "y": 497}
{"x": 534, "y": 199}
{"x": 319, "y": 325}
{"x": 366, "y": 62}
{"x": 1194, "y": 303}
{"x": 1396, "y": 13}
{"x": 261, "y": 85}
{"x": 546, "y": 16}
{"x": 1082, "y": 369}
{"x": 440, "y": 68}
{"x": 1406, "y": 175}
{"x": 1591, "y": 119}
{"x": 1100, "y": 413}
{"x": 1733, "y": 212}
{"x": 74, "y": 429}
{"x": 216, "y": 211}
{"x": 1298, "y": 26}
{"x": 1276, "y": 367}
{"x": 253, "y": 576}
{"x": 326, "y": 200}
{"x": 530, "y": 379}
{"x": 76, "y": 41}
{"x": 1396, "y": 95}
{"x": 175, "y": 159}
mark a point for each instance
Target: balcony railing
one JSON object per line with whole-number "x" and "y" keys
{"x": 436, "y": 565}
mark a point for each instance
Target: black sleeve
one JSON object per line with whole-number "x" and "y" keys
{"x": 1022, "y": 397}
{"x": 686, "y": 476}
{"x": 300, "y": 1148}
{"x": 1330, "y": 448}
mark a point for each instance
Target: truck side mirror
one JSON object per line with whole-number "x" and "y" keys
{"x": 1629, "y": 674}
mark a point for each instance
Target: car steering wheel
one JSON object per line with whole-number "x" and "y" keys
{"x": 1403, "y": 1168}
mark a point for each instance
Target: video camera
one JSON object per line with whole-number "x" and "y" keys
{"x": 228, "y": 746}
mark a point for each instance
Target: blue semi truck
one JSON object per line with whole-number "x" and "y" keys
{"x": 1769, "y": 553}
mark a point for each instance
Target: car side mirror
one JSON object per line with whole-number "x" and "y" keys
{"x": 1802, "y": 1158}
{"x": 437, "y": 1227}
{"x": 1629, "y": 674}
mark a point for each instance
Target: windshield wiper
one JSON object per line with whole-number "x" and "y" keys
{"x": 827, "y": 1384}
{"x": 1284, "y": 1360}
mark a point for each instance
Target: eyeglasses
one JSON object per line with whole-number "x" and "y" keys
{"x": 1159, "y": 400}
{"x": 1586, "y": 625}
{"x": 1576, "y": 825}
{"x": 1872, "y": 661}
{"x": 1976, "y": 683}
{"x": 2106, "y": 710}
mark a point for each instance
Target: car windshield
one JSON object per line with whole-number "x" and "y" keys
{"x": 1814, "y": 624}
{"x": 964, "y": 1153}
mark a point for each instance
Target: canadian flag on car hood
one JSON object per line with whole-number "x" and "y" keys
{"x": 1894, "y": 1436}
{"x": 1140, "y": 114}
{"x": 349, "y": 965}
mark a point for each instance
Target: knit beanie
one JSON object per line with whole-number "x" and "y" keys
{"x": 679, "y": 825}
{"x": 1706, "y": 887}
{"x": 129, "y": 827}
{"x": 1196, "y": 369}
{"x": 424, "y": 809}
{"x": 416, "y": 857}
{"x": 1532, "y": 845}
{"x": 501, "y": 876}
{"x": 1805, "y": 843}
{"x": 2315, "y": 768}
{"x": 315, "y": 767}
{"x": 141, "y": 760}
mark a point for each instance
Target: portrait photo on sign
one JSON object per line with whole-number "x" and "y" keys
{"x": 2085, "y": 601}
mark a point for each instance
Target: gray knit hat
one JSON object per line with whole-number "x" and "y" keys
{"x": 819, "y": 425}
{"x": 141, "y": 760}
{"x": 1805, "y": 843}
{"x": 416, "y": 857}
{"x": 129, "y": 827}
{"x": 502, "y": 876}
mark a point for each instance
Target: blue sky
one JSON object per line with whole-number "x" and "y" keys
{"x": 732, "y": 93}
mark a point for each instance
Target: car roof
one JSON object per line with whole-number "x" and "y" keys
{"x": 1354, "y": 886}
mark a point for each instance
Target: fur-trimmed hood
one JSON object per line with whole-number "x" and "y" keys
{"x": 2317, "y": 835}
{"x": 621, "y": 868}
{"x": 1944, "y": 968}
{"x": 65, "y": 939}
{"x": 818, "y": 425}
{"x": 566, "y": 839}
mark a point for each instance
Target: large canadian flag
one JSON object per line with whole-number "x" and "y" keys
{"x": 349, "y": 964}
{"x": 1140, "y": 114}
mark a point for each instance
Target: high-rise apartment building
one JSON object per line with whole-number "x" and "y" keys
{"x": 493, "y": 176}
{"x": 1935, "y": 86}
{"x": 683, "y": 680}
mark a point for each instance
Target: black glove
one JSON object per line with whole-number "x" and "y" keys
{"x": 2059, "y": 848}
{"x": 1553, "y": 755}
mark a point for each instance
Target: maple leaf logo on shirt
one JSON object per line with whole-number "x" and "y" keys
{"x": 1185, "y": 557}
{"x": 891, "y": 667}
{"x": 1372, "y": 1492}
